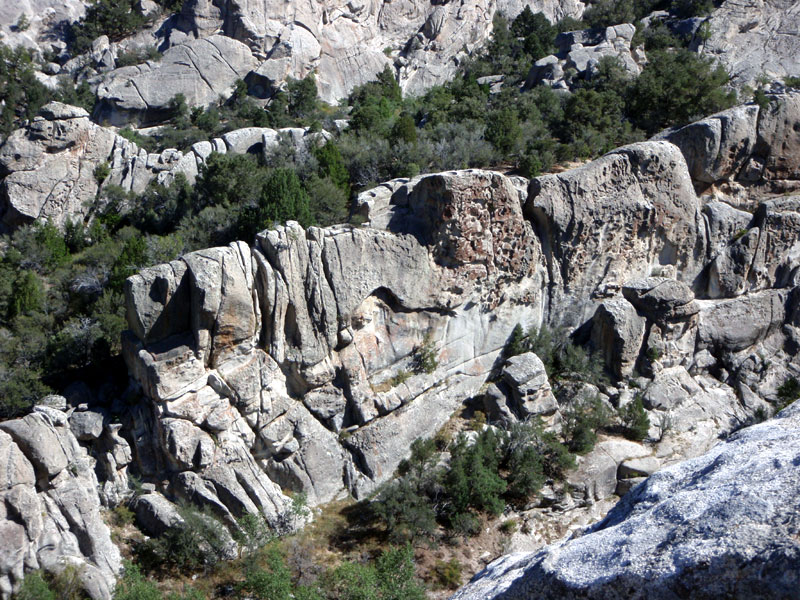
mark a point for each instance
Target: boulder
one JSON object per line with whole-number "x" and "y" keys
{"x": 612, "y": 220}
{"x": 595, "y": 478}
{"x": 41, "y": 442}
{"x": 699, "y": 528}
{"x": 661, "y": 299}
{"x": 155, "y": 514}
{"x": 50, "y": 166}
{"x": 670, "y": 388}
{"x": 525, "y": 375}
{"x": 87, "y": 425}
{"x": 755, "y": 315}
{"x": 618, "y": 333}
{"x": 717, "y": 147}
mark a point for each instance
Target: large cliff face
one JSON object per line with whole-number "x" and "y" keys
{"x": 294, "y": 363}
{"x": 723, "y": 525}
{"x": 349, "y": 42}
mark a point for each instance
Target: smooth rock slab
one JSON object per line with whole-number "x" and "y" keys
{"x": 718, "y": 526}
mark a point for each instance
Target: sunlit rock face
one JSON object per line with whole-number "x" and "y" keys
{"x": 714, "y": 526}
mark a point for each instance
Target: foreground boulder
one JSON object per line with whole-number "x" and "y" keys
{"x": 719, "y": 526}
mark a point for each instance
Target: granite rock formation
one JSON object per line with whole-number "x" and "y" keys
{"x": 720, "y": 525}
{"x": 50, "y": 514}
{"x": 753, "y": 39}
{"x": 297, "y": 363}
{"x": 51, "y": 166}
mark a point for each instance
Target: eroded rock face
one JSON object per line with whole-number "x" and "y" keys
{"x": 50, "y": 509}
{"x": 295, "y": 363}
{"x": 627, "y": 214}
{"x": 202, "y": 70}
{"x": 745, "y": 153}
{"x": 349, "y": 42}
{"x": 755, "y": 38}
{"x": 716, "y": 525}
{"x": 256, "y": 358}
{"x": 52, "y": 167}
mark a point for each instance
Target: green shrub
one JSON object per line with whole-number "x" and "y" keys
{"x": 130, "y": 260}
{"x": 610, "y": 12}
{"x": 792, "y": 82}
{"x": 101, "y": 172}
{"x": 137, "y": 56}
{"x": 508, "y": 526}
{"x": 404, "y": 505}
{"x": 200, "y": 541}
{"x": 350, "y": 581}
{"x": 134, "y": 586}
{"x": 464, "y": 524}
{"x": 676, "y": 87}
{"x": 302, "y": 96}
{"x": 473, "y": 481}
{"x": 788, "y": 392}
{"x": 634, "y": 419}
{"x": 252, "y": 533}
{"x": 271, "y": 583}
{"x": 448, "y": 574}
{"x": 21, "y": 94}
{"x": 536, "y": 31}
{"x": 35, "y": 587}
{"x": 583, "y": 417}
{"x": 426, "y": 358}
{"x": 503, "y": 130}
{"x": 114, "y": 18}
{"x": 27, "y": 295}
{"x": 122, "y": 515}
{"x": 331, "y": 165}
{"x": 523, "y": 460}
{"x": 396, "y": 576}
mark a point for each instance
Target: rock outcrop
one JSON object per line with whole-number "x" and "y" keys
{"x": 202, "y": 70}
{"x": 296, "y": 363}
{"x": 582, "y": 51}
{"x": 50, "y": 510}
{"x": 745, "y": 153}
{"x": 310, "y": 360}
{"x": 720, "y": 525}
{"x": 53, "y": 166}
{"x": 348, "y": 42}
{"x": 754, "y": 38}
{"x": 283, "y": 368}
